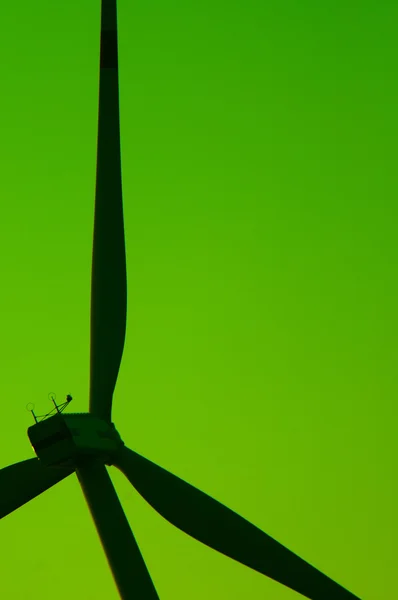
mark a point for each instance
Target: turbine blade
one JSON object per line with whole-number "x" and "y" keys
{"x": 124, "y": 557}
{"x": 108, "y": 280}
{"x": 212, "y": 523}
{"x": 25, "y": 480}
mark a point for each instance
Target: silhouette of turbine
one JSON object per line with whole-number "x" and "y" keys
{"x": 85, "y": 443}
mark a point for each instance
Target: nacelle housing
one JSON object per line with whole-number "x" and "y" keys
{"x": 66, "y": 439}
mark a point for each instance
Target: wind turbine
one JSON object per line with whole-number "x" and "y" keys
{"x": 85, "y": 442}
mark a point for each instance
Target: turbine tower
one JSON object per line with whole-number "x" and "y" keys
{"x": 86, "y": 443}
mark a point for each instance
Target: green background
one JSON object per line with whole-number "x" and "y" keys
{"x": 259, "y": 175}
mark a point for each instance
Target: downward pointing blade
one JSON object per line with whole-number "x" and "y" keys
{"x": 124, "y": 557}
{"x": 214, "y": 524}
{"x": 108, "y": 283}
{"x": 25, "y": 480}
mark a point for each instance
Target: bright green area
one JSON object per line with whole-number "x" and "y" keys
{"x": 259, "y": 173}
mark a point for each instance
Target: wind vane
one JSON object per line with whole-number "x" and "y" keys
{"x": 58, "y": 408}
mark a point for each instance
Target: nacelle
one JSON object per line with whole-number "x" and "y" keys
{"x": 66, "y": 439}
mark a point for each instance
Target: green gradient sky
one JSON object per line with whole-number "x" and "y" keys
{"x": 259, "y": 173}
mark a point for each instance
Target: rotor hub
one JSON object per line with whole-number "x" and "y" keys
{"x": 68, "y": 440}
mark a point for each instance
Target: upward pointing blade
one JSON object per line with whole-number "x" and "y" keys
{"x": 214, "y": 524}
{"x": 108, "y": 283}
